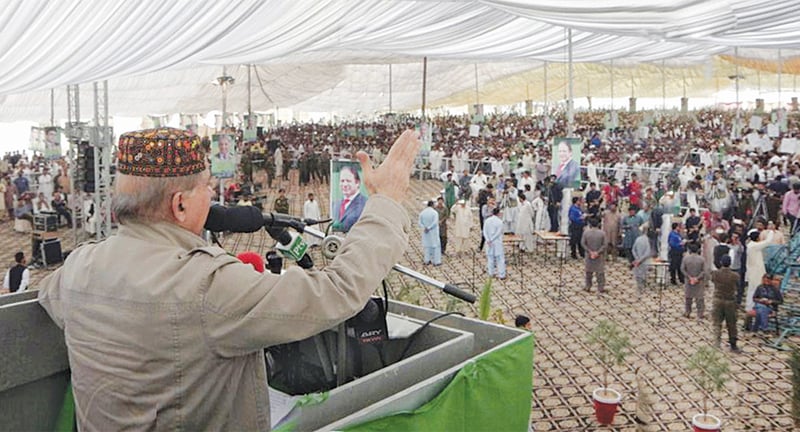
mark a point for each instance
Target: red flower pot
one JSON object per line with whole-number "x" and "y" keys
{"x": 606, "y": 404}
{"x": 706, "y": 423}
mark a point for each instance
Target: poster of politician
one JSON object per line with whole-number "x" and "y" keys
{"x": 566, "y": 162}
{"x": 223, "y": 158}
{"x": 348, "y": 194}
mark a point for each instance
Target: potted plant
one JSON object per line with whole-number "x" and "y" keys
{"x": 611, "y": 347}
{"x": 710, "y": 371}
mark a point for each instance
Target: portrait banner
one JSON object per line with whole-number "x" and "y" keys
{"x": 348, "y": 194}
{"x": 36, "y": 140}
{"x": 52, "y": 142}
{"x": 223, "y": 158}
{"x": 566, "y": 161}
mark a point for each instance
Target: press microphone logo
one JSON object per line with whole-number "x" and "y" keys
{"x": 298, "y": 247}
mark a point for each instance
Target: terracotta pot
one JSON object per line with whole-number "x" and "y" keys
{"x": 605, "y": 405}
{"x": 706, "y": 423}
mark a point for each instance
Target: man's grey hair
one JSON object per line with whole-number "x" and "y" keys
{"x": 148, "y": 198}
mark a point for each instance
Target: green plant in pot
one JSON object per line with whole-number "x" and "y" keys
{"x": 611, "y": 347}
{"x": 710, "y": 370}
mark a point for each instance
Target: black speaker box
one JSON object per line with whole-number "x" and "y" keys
{"x": 51, "y": 252}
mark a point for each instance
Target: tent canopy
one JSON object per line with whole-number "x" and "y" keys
{"x": 333, "y": 55}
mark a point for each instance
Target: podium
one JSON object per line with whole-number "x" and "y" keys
{"x": 461, "y": 374}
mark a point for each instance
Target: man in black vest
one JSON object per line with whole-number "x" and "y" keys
{"x": 17, "y": 277}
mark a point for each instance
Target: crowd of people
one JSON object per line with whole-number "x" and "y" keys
{"x": 710, "y": 171}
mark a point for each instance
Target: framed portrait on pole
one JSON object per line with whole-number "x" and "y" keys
{"x": 566, "y": 162}
{"x": 348, "y": 194}
{"x": 223, "y": 157}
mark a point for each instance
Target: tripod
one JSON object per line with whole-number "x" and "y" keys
{"x": 760, "y": 210}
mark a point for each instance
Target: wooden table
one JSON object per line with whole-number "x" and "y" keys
{"x": 513, "y": 241}
{"x": 553, "y": 238}
{"x": 659, "y": 265}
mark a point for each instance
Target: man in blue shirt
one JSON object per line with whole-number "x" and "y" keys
{"x": 21, "y": 183}
{"x": 576, "y": 227}
{"x": 676, "y": 250}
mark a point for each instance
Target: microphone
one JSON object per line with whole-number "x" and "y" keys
{"x": 292, "y": 246}
{"x": 253, "y": 259}
{"x": 247, "y": 219}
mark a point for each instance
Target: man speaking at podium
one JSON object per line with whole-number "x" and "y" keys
{"x": 165, "y": 332}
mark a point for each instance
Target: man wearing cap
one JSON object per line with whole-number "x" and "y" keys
{"x": 166, "y": 332}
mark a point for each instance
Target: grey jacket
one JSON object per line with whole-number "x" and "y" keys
{"x": 694, "y": 266}
{"x": 166, "y": 333}
{"x": 594, "y": 240}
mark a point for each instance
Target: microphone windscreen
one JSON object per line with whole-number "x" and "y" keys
{"x": 215, "y": 221}
{"x": 245, "y": 219}
{"x": 253, "y": 259}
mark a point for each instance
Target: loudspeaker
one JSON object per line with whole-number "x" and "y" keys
{"x": 51, "y": 252}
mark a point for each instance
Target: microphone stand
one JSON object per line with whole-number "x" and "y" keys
{"x": 447, "y": 288}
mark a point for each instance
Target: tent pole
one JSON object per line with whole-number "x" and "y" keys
{"x": 738, "y": 109}
{"x": 545, "y": 87}
{"x": 611, "y": 74}
{"x": 780, "y": 75}
{"x": 571, "y": 101}
{"x": 249, "y": 95}
{"x": 477, "y": 96}
{"x": 663, "y": 87}
{"x": 52, "y": 107}
{"x": 424, "y": 83}
{"x": 224, "y": 85}
{"x": 390, "y": 87}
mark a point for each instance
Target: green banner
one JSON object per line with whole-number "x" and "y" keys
{"x": 493, "y": 393}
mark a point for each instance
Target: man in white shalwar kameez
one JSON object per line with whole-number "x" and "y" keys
{"x": 464, "y": 220}
{"x": 524, "y": 227}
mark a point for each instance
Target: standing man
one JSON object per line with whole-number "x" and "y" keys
{"x": 524, "y": 227}
{"x": 611, "y": 192}
{"x": 311, "y": 210}
{"x": 593, "y": 199}
{"x": 693, "y": 225}
{"x": 486, "y": 213}
{"x": 46, "y": 186}
{"x": 791, "y": 207}
{"x": 463, "y": 225}
{"x": 676, "y": 249}
{"x": 576, "y": 228}
{"x": 694, "y": 270}
{"x": 444, "y": 215}
{"x": 281, "y": 204}
{"x": 611, "y": 221}
{"x": 495, "y": 255}
{"x": 594, "y": 242}
{"x": 555, "y": 194}
{"x": 449, "y": 192}
{"x": 630, "y": 231}
{"x": 641, "y": 255}
{"x": 726, "y": 283}
{"x": 17, "y": 277}
{"x": 431, "y": 244}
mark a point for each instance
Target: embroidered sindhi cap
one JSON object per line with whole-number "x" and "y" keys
{"x": 162, "y": 152}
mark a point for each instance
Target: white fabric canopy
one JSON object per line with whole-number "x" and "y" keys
{"x": 326, "y": 55}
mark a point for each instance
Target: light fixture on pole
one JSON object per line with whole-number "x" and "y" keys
{"x": 224, "y": 82}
